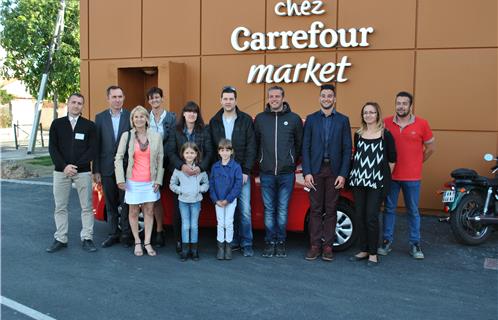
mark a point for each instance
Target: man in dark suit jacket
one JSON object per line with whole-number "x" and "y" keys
{"x": 72, "y": 147}
{"x": 111, "y": 124}
{"x": 326, "y": 157}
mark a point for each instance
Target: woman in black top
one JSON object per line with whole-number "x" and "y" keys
{"x": 373, "y": 161}
{"x": 189, "y": 127}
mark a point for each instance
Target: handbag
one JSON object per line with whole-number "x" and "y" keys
{"x": 126, "y": 156}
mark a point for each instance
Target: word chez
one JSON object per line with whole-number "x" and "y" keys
{"x": 316, "y": 37}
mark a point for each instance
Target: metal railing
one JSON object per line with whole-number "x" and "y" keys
{"x": 18, "y": 128}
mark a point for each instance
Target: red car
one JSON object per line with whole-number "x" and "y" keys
{"x": 297, "y": 217}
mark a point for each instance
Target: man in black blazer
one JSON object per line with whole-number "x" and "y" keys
{"x": 72, "y": 147}
{"x": 111, "y": 124}
{"x": 327, "y": 151}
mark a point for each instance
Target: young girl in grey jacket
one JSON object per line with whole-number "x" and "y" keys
{"x": 189, "y": 190}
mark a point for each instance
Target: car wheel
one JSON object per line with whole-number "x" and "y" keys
{"x": 345, "y": 231}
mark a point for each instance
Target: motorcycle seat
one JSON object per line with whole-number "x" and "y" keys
{"x": 464, "y": 174}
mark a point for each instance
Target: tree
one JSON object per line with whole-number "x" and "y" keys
{"x": 28, "y": 26}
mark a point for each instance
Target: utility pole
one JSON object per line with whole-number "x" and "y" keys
{"x": 54, "y": 45}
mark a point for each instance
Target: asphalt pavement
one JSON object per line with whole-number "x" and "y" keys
{"x": 450, "y": 283}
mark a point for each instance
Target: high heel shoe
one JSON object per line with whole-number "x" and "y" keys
{"x": 150, "y": 251}
{"x": 356, "y": 257}
{"x": 138, "y": 252}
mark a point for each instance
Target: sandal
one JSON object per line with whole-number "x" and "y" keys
{"x": 138, "y": 252}
{"x": 150, "y": 252}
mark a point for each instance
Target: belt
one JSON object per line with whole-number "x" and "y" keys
{"x": 326, "y": 160}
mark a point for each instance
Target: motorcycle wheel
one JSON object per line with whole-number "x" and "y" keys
{"x": 465, "y": 231}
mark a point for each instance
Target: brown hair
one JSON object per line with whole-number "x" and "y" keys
{"x": 194, "y": 147}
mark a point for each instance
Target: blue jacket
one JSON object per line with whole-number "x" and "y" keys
{"x": 340, "y": 146}
{"x": 225, "y": 182}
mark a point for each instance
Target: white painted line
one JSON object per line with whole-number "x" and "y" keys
{"x": 39, "y": 183}
{"x": 24, "y": 310}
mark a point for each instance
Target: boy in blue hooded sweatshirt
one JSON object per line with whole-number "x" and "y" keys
{"x": 225, "y": 186}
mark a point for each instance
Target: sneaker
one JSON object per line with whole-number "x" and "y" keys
{"x": 235, "y": 247}
{"x": 247, "y": 251}
{"x": 280, "y": 252}
{"x": 269, "y": 250}
{"x": 385, "y": 248}
{"x": 56, "y": 246}
{"x": 416, "y": 252}
{"x": 88, "y": 245}
{"x": 313, "y": 253}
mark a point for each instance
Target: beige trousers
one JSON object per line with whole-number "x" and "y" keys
{"x": 62, "y": 190}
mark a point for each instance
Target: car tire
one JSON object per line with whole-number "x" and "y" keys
{"x": 345, "y": 231}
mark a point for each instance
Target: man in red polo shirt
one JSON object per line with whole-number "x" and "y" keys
{"x": 414, "y": 145}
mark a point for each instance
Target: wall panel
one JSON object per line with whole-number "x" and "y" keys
{"x": 84, "y": 29}
{"x": 465, "y": 23}
{"x": 221, "y": 17}
{"x": 456, "y": 89}
{"x": 392, "y": 20}
{"x": 171, "y": 28}
{"x": 115, "y": 28}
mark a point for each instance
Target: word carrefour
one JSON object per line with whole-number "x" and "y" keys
{"x": 316, "y": 37}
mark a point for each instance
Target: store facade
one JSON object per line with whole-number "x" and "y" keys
{"x": 444, "y": 51}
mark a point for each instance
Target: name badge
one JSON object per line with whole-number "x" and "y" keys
{"x": 79, "y": 136}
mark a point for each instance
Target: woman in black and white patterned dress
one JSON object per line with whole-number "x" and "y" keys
{"x": 373, "y": 162}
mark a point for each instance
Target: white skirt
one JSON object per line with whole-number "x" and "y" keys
{"x": 140, "y": 192}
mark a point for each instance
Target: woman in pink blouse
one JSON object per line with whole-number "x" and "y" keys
{"x": 143, "y": 150}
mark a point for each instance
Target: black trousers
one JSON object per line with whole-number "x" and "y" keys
{"x": 114, "y": 197}
{"x": 367, "y": 203}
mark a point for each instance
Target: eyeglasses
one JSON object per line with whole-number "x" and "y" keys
{"x": 369, "y": 112}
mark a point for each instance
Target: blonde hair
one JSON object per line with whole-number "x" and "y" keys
{"x": 141, "y": 110}
{"x": 380, "y": 121}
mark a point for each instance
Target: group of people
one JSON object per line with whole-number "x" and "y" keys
{"x": 133, "y": 155}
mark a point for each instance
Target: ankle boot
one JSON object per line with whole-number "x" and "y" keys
{"x": 221, "y": 250}
{"x": 178, "y": 247}
{"x": 228, "y": 251}
{"x": 195, "y": 252}
{"x": 184, "y": 252}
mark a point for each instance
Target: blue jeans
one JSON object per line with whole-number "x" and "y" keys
{"x": 190, "y": 221}
{"x": 276, "y": 192}
{"x": 411, "y": 194}
{"x": 242, "y": 223}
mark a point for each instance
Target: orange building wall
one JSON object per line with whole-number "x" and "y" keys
{"x": 444, "y": 51}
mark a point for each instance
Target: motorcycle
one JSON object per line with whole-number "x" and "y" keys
{"x": 472, "y": 202}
